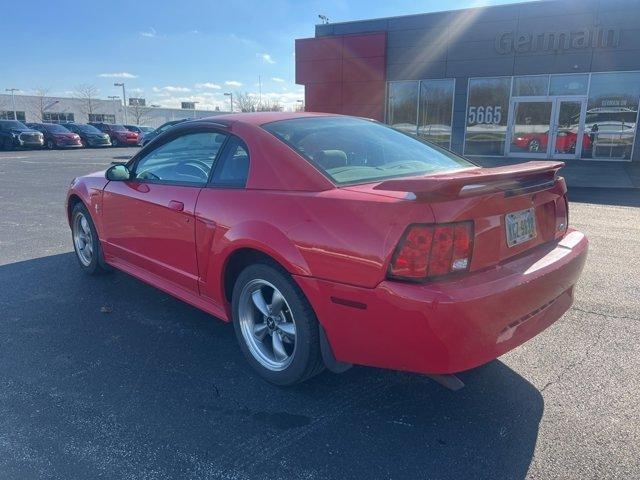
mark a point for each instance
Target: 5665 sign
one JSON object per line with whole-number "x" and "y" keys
{"x": 489, "y": 114}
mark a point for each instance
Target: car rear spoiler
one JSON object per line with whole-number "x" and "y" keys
{"x": 512, "y": 179}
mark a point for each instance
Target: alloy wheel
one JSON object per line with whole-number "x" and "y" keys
{"x": 267, "y": 325}
{"x": 83, "y": 239}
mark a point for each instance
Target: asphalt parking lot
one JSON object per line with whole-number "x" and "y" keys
{"x": 109, "y": 378}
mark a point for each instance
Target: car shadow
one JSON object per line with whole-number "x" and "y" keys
{"x": 105, "y": 375}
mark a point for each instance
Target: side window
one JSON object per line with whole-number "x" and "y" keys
{"x": 233, "y": 168}
{"x": 188, "y": 158}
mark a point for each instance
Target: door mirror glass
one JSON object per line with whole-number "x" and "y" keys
{"x": 118, "y": 173}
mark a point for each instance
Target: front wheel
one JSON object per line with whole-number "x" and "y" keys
{"x": 534, "y": 145}
{"x": 85, "y": 241}
{"x": 50, "y": 145}
{"x": 275, "y": 325}
{"x": 115, "y": 142}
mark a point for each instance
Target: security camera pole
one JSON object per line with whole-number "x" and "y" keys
{"x": 13, "y": 100}
{"x": 124, "y": 99}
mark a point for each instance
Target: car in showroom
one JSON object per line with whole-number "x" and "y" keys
{"x": 331, "y": 240}
{"x": 57, "y": 136}
{"x": 89, "y": 135}
{"x": 118, "y": 134}
{"x": 147, "y": 137}
{"x": 15, "y": 134}
{"x": 566, "y": 141}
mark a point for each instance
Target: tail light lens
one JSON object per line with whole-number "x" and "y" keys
{"x": 562, "y": 216}
{"x": 427, "y": 251}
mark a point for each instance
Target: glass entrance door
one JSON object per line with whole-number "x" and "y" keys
{"x": 547, "y": 127}
{"x": 568, "y": 138}
{"x": 530, "y": 127}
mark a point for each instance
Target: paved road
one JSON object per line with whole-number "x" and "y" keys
{"x": 158, "y": 390}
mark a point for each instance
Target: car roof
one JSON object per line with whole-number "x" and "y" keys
{"x": 261, "y": 118}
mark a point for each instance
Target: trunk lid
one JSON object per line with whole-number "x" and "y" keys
{"x": 485, "y": 196}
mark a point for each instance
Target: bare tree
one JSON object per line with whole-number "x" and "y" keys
{"x": 245, "y": 102}
{"x": 270, "y": 106}
{"x": 40, "y": 103}
{"x": 139, "y": 112}
{"x": 87, "y": 94}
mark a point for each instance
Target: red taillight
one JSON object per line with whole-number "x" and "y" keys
{"x": 562, "y": 216}
{"x": 432, "y": 250}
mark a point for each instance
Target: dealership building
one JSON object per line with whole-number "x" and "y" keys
{"x": 53, "y": 109}
{"x": 535, "y": 80}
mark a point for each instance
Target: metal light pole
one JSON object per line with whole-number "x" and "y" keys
{"x": 230, "y": 95}
{"x": 124, "y": 99}
{"x": 13, "y": 100}
{"x": 194, "y": 109}
{"x": 115, "y": 110}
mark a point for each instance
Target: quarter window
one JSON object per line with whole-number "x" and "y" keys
{"x": 234, "y": 166}
{"x": 186, "y": 159}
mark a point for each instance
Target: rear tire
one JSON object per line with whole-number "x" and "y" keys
{"x": 7, "y": 145}
{"x": 86, "y": 242}
{"x": 281, "y": 339}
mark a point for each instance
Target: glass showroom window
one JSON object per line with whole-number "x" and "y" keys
{"x": 402, "y": 107}
{"x": 435, "y": 110}
{"x": 56, "y": 117}
{"x": 612, "y": 113}
{"x": 102, "y": 118}
{"x": 534, "y": 85}
{"x": 487, "y": 111}
{"x": 8, "y": 115}
{"x": 571, "y": 84}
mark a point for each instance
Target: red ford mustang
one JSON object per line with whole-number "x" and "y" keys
{"x": 330, "y": 240}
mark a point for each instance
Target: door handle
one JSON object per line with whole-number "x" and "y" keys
{"x": 176, "y": 205}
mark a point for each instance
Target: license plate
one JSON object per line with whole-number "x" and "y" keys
{"x": 521, "y": 226}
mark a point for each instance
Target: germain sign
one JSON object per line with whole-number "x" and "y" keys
{"x": 597, "y": 37}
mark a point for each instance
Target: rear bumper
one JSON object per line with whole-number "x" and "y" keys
{"x": 452, "y": 325}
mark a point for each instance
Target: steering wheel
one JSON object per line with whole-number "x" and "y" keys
{"x": 147, "y": 175}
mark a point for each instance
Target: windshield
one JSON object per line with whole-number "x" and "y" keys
{"x": 13, "y": 125}
{"x": 353, "y": 150}
{"x": 54, "y": 128}
{"x": 118, "y": 128}
{"x": 146, "y": 129}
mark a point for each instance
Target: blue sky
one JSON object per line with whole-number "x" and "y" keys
{"x": 169, "y": 51}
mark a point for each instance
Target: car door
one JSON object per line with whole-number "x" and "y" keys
{"x": 148, "y": 221}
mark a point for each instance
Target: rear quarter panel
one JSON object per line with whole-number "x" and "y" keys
{"x": 335, "y": 235}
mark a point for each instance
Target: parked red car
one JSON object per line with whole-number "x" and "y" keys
{"x": 57, "y": 136}
{"x": 566, "y": 141}
{"x": 119, "y": 135}
{"x": 330, "y": 240}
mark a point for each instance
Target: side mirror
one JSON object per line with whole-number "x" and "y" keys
{"x": 118, "y": 173}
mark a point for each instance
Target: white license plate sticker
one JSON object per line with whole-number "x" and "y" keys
{"x": 521, "y": 226}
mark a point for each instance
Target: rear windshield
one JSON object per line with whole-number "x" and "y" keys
{"x": 353, "y": 150}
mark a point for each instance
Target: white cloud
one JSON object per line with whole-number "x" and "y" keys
{"x": 212, "y": 86}
{"x": 266, "y": 57}
{"x": 233, "y": 83}
{"x": 118, "y": 75}
{"x": 277, "y": 79}
{"x": 171, "y": 89}
{"x": 149, "y": 33}
{"x": 135, "y": 91}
